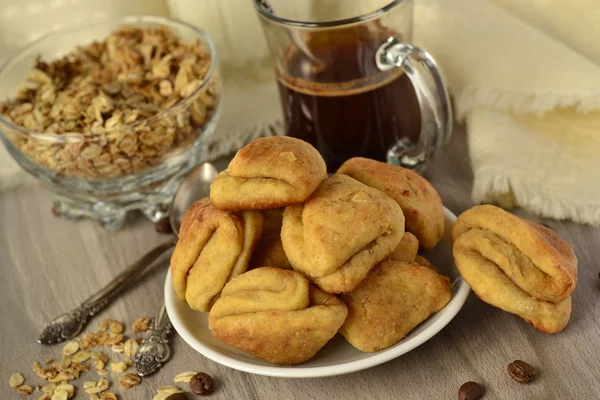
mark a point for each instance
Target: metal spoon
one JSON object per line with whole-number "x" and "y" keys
{"x": 68, "y": 325}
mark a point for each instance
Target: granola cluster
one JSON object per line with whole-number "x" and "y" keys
{"x": 114, "y": 107}
{"x": 84, "y": 354}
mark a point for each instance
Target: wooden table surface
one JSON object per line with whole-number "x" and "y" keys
{"x": 49, "y": 264}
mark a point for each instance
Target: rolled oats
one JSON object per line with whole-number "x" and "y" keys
{"x": 16, "y": 380}
{"x": 71, "y": 348}
{"x": 116, "y": 327}
{"x": 70, "y": 389}
{"x": 165, "y": 391}
{"x": 118, "y": 366}
{"x": 130, "y": 347}
{"x": 184, "y": 377}
{"x": 108, "y": 396}
{"x": 65, "y": 362}
{"x": 130, "y": 380}
{"x": 141, "y": 324}
{"x": 25, "y": 389}
{"x": 117, "y": 348}
{"x": 104, "y": 95}
{"x": 80, "y": 356}
{"x": 60, "y": 395}
{"x": 113, "y": 339}
{"x": 98, "y": 355}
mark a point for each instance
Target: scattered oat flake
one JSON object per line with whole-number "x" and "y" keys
{"x": 118, "y": 366}
{"x": 49, "y": 361}
{"x": 141, "y": 324}
{"x": 93, "y": 396}
{"x": 49, "y": 388}
{"x": 185, "y": 377}
{"x": 103, "y": 384}
{"x": 71, "y": 348}
{"x": 25, "y": 389}
{"x": 108, "y": 396}
{"x": 103, "y": 327}
{"x": 163, "y": 392}
{"x": 65, "y": 362}
{"x": 16, "y": 380}
{"x": 98, "y": 355}
{"x": 116, "y": 327}
{"x": 88, "y": 384}
{"x": 129, "y": 380}
{"x": 114, "y": 338}
{"x": 81, "y": 356}
{"x": 70, "y": 389}
{"x": 60, "y": 395}
{"x": 130, "y": 347}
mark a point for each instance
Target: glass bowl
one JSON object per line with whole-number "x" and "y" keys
{"x": 134, "y": 161}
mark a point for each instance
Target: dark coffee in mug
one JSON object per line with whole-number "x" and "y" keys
{"x": 345, "y": 106}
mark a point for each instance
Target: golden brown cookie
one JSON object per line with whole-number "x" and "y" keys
{"x": 276, "y": 315}
{"x": 342, "y": 230}
{"x": 420, "y": 202}
{"x": 269, "y": 250}
{"x": 516, "y": 265}
{"x": 407, "y": 249}
{"x": 269, "y": 172}
{"x": 213, "y": 247}
{"x": 395, "y": 297}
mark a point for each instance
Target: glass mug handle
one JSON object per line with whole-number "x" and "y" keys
{"x": 434, "y": 102}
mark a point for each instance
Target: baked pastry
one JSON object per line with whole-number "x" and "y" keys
{"x": 420, "y": 202}
{"x": 342, "y": 230}
{"x": 269, "y": 250}
{"x": 269, "y": 172}
{"x": 395, "y": 297}
{"x": 276, "y": 315}
{"x": 516, "y": 265}
{"x": 213, "y": 247}
{"x": 407, "y": 249}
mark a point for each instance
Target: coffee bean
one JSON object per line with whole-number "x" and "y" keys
{"x": 470, "y": 391}
{"x": 177, "y": 396}
{"x": 521, "y": 372}
{"x": 201, "y": 384}
{"x": 163, "y": 226}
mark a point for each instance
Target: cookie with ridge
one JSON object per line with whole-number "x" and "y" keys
{"x": 517, "y": 265}
{"x": 276, "y": 315}
{"x": 269, "y": 172}
{"x": 407, "y": 249}
{"x": 420, "y": 202}
{"x": 342, "y": 230}
{"x": 214, "y": 246}
{"x": 269, "y": 250}
{"x": 395, "y": 297}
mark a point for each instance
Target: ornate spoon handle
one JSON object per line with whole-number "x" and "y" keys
{"x": 68, "y": 325}
{"x": 100, "y": 299}
{"x": 154, "y": 350}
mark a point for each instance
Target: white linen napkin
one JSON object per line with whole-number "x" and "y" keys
{"x": 531, "y": 102}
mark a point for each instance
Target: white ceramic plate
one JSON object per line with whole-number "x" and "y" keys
{"x": 337, "y": 357}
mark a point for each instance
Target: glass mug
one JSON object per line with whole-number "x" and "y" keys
{"x": 351, "y": 86}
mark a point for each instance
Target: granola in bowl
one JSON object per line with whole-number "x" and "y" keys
{"x": 111, "y": 115}
{"x": 116, "y": 106}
